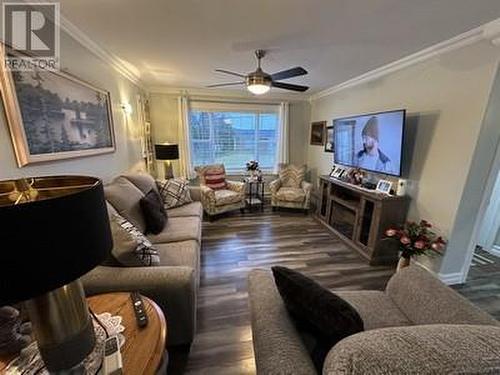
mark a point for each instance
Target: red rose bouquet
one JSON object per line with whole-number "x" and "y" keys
{"x": 415, "y": 238}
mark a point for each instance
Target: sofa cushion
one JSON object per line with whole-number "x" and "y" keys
{"x": 154, "y": 212}
{"x": 420, "y": 350}
{"x": 190, "y": 209}
{"x": 179, "y": 229}
{"x": 142, "y": 180}
{"x": 182, "y": 253}
{"x": 375, "y": 308}
{"x": 320, "y": 315}
{"x": 224, "y": 197}
{"x": 124, "y": 196}
{"x": 174, "y": 192}
{"x": 289, "y": 194}
{"x": 291, "y": 175}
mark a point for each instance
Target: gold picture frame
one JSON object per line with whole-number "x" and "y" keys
{"x": 53, "y": 115}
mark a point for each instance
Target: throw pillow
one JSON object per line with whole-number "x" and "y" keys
{"x": 130, "y": 247}
{"x": 154, "y": 212}
{"x": 316, "y": 312}
{"x": 174, "y": 192}
{"x": 215, "y": 180}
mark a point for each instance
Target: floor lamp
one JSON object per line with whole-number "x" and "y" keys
{"x": 54, "y": 230}
{"x": 167, "y": 152}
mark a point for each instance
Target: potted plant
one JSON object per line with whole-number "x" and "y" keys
{"x": 414, "y": 239}
{"x": 253, "y": 168}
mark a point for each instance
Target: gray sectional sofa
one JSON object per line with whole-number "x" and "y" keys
{"x": 173, "y": 285}
{"x": 416, "y": 326}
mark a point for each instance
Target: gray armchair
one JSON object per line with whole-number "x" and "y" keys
{"x": 290, "y": 189}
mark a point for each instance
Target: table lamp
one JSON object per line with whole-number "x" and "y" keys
{"x": 54, "y": 230}
{"x": 167, "y": 152}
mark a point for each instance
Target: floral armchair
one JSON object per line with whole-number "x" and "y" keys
{"x": 290, "y": 190}
{"x": 227, "y": 197}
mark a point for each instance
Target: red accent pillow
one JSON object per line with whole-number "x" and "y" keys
{"x": 215, "y": 180}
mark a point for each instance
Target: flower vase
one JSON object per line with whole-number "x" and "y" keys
{"x": 402, "y": 263}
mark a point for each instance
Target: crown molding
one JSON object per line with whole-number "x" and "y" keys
{"x": 228, "y": 94}
{"x": 124, "y": 69}
{"x": 489, "y": 31}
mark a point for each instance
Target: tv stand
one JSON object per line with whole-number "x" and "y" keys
{"x": 360, "y": 216}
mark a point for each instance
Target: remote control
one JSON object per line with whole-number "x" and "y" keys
{"x": 140, "y": 311}
{"x": 112, "y": 357}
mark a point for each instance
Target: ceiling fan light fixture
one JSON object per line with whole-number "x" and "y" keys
{"x": 258, "y": 88}
{"x": 258, "y": 82}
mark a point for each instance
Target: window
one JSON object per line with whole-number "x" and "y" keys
{"x": 233, "y": 134}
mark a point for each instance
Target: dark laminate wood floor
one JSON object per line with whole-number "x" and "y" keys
{"x": 483, "y": 284}
{"x": 235, "y": 244}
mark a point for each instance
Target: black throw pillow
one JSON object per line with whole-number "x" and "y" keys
{"x": 317, "y": 313}
{"x": 154, "y": 212}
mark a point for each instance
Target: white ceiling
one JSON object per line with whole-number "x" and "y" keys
{"x": 179, "y": 43}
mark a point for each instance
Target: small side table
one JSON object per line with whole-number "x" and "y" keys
{"x": 144, "y": 348}
{"x": 255, "y": 194}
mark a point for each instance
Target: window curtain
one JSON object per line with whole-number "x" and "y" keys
{"x": 185, "y": 167}
{"x": 283, "y": 146}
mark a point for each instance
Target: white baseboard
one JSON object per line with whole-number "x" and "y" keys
{"x": 451, "y": 278}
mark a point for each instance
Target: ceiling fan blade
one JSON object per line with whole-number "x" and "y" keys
{"x": 227, "y": 84}
{"x": 289, "y": 86}
{"x": 229, "y": 72}
{"x": 289, "y": 73}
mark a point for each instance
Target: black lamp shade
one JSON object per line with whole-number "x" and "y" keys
{"x": 167, "y": 152}
{"x": 54, "y": 239}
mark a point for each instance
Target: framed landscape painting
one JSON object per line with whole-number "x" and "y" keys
{"x": 318, "y": 133}
{"x": 54, "y": 116}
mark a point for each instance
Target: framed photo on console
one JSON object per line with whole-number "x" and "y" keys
{"x": 384, "y": 186}
{"x": 53, "y": 115}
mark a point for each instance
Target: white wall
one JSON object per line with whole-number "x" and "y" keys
{"x": 83, "y": 64}
{"x": 165, "y": 119}
{"x": 445, "y": 98}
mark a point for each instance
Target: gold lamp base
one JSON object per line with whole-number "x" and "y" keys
{"x": 169, "y": 170}
{"x": 62, "y": 326}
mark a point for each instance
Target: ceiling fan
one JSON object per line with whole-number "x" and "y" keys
{"x": 260, "y": 82}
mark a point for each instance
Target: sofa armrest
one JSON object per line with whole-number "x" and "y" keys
{"x": 426, "y": 349}
{"x": 236, "y": 186}
{"x": 274, "y": 186}
{"x": 277, "y": 345}
{"x": 172, "y": 288}
{"x": 424, "y": 299}
{"x": 195, "y": 192}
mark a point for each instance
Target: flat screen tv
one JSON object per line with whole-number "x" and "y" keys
{"x": 373, "y": 141}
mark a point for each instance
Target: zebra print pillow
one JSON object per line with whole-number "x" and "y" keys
{"x": 143, "y": 250}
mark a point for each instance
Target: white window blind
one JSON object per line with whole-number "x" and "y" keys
{"x": 232, "y": 134}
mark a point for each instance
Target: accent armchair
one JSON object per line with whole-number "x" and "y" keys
{"x": 290, "y": 189}
{"x": 227, "y": 196}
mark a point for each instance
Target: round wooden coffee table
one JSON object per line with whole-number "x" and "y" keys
{"x": 144, "y": 348}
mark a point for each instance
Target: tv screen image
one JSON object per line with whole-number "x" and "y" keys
{"x": 373, "y": 141}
